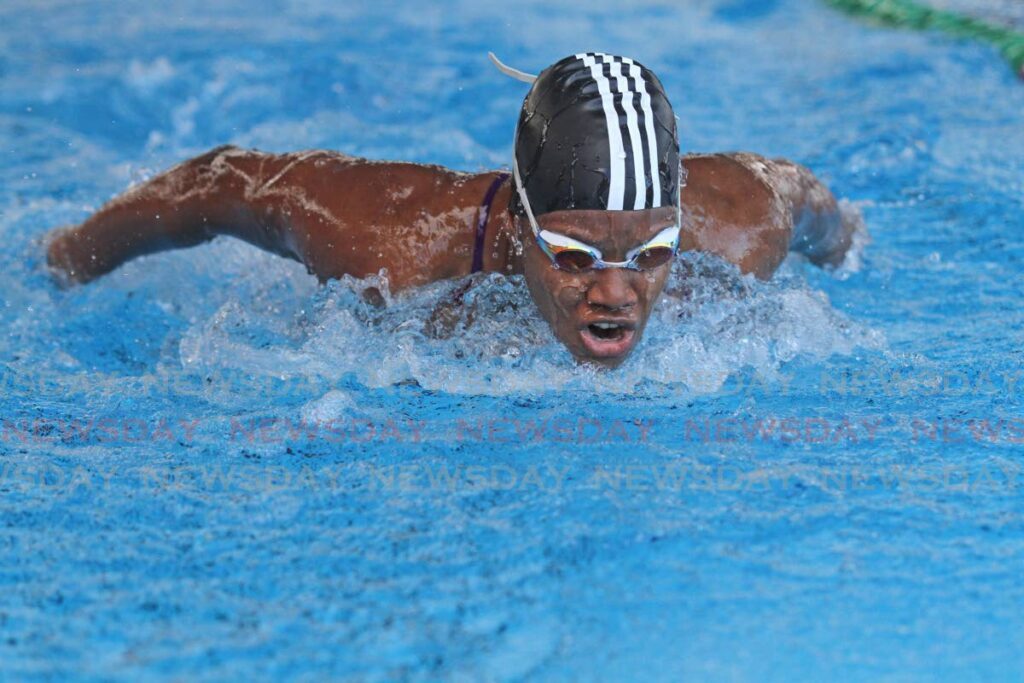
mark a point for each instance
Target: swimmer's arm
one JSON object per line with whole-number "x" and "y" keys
{"x": 731, "y": 210}
{"x": 819, "y": 230}
{"x": 751, "y": 211}
{"x": 189, "y": 204}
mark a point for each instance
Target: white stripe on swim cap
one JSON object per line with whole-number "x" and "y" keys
{"x": 636, "y": 142}
{"x": 652, "y": 146}
{"x": 616, "y": 152}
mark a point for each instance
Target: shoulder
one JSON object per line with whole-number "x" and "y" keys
{"x": 752, "y": 178}
{"x": 740, "y": 181}
{"x": 733, "y": 208}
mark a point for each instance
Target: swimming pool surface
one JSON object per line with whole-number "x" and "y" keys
{"x": 213, "y": 469}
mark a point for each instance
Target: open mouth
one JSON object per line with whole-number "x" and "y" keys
{"x": 604, "y": 338}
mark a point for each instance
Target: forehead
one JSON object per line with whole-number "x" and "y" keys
{"x": 612, "y": 228}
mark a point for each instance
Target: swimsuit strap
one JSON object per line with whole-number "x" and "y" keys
{"x": 481, "y": 222}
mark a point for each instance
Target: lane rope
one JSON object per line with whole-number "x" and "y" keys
{"x": 921, "y": 17}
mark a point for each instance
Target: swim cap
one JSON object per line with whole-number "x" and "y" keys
{"x": 596, "y": 131}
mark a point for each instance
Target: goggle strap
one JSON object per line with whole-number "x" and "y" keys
{"x": 523, "y": 199}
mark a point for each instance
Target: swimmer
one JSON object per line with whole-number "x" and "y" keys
{"x": 596, "y": 206}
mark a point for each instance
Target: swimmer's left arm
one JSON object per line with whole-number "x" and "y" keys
{"x": 751, "y": 211}
{"x": 818, "y": 229}
{"x": 730, "y": 210}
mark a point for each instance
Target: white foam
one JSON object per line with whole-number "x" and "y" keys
{"x": 333, "y": 405}
{"x": 851, "y": 264}
{"x": 711, "y": 323}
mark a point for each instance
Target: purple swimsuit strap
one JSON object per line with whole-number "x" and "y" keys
{"x": 481, "y": 222}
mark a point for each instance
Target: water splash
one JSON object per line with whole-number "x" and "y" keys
{"x": 711, "y": 322}
{"x": 851, "y": 264}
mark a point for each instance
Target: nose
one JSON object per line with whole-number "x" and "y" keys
{"x": 611, "y": 290}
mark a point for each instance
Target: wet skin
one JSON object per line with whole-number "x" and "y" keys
{"x": 578, "y": 304}
{"x": 343, "y": 215}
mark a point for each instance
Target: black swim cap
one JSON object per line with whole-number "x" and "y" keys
{"x": 596, "y": 131}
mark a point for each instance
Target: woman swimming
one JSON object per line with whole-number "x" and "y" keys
{"x": 596, "y": 207}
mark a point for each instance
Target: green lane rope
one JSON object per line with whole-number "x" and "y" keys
{"x": 915, "y": 15}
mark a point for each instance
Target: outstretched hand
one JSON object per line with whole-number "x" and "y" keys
{"x": 59, "y": 260}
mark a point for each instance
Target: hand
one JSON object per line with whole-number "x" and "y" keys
{"x": 59, "y": 257}
{"x": 450, "y": 311}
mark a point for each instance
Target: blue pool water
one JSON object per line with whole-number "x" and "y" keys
{"x": 212, "y": 469}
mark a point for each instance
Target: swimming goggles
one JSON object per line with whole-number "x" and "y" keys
{"x": 575, "y": 256}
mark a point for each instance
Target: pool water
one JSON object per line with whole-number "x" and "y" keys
{"x": 213, "y": 469}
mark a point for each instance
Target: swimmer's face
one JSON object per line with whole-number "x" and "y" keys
{"x": 598, "y": 314}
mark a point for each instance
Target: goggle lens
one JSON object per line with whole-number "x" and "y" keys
{"x": 578, "y": 260}
{"x": 654, "y": 257}
{"x": 574, "y": 260}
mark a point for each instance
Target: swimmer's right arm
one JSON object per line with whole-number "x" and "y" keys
{"x": 213, "y": 194}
